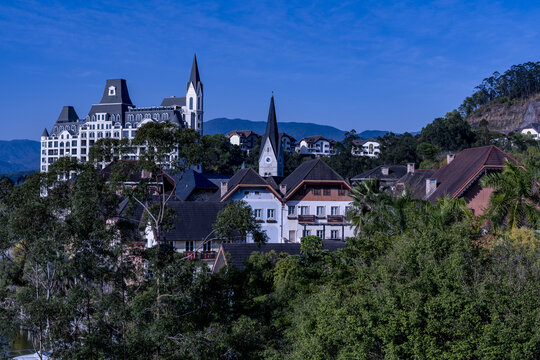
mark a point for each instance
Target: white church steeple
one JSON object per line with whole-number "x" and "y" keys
{"x": 194, "y": 98}
{"x": 271, "y": 156}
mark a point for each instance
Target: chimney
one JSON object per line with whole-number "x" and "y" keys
{"x": 410, "y": 168}
{"x": 224, "y": 186}
{"x": 449, "y": 158}
{"x": 384, "y": 170}
{"x": 283, "y": 189}
{"x": 431, "y": 185}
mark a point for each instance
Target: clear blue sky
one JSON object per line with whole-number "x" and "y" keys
{"x": 362, "y": 65}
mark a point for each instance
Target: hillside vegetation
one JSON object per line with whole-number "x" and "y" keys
{"x": 504, "y": 99}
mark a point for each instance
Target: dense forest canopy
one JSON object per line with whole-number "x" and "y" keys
{"x": 518, "y": 82}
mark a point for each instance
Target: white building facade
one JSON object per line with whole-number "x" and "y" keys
{"x": 532, "y": 130}
{"x": 316, "y": 145}
{"x": 116, "y": 117}
{"x": 368, "y": 148}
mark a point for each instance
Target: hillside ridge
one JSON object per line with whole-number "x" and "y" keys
{"x": 508, "y": 116}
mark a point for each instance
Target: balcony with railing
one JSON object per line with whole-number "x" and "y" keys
{"x": 332, "y": 219}
{"x": 302, "y": 219}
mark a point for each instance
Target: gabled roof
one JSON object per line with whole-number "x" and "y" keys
{"x": 241, "y": 133}
{"x": 467, "y": 166}
{"x": 312, "y": 170}
{"x": 282, "y": 134}
{"x": 194, "y": 77}
{"x": 363, "y": 142}
{"x": 314, "y": 139}
{"x": 247, "y": 178}
{"x": 67, "y": 114}
{"x": 237, "y": 253}
{"x": 174, "y": 101}
{"x": 121, "y": 94}
{"x": 271, "y": 132}
{"x": 535, "y": 126}
{"x": 394, "y": 173}
{"x": 191, "y": 181}
{"x": 194, "y": 220}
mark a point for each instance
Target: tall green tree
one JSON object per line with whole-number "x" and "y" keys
{"x": 516, "y": 197}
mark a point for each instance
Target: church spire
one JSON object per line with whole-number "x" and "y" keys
{"x": 271, "y": 156}
{"x": 271, "y": 132}
{"x": 194, "y": 77}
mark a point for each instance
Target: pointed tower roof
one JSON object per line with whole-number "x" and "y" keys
{"x": 194, "y": 77}
{"x": 45, "y": 133}
{"x": 67, "y": 114}
{"x": 272, "y": 132}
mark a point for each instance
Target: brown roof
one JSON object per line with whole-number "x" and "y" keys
{"x": 454, "y": 178}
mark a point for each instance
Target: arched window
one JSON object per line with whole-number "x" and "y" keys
{"x": 117, "y": 117}
{"x": 190, "y": 103}
{"x": 93, "y": 118}
{"x": 147, "y": 116}
{"x": 139, "y": 117}
{"x": 165, "y": 116}
{"x": 371, "y": 148}
{"x": 61, "y": 143}
{"x": 156, "y": 116}
{"x": 198, "y": 103}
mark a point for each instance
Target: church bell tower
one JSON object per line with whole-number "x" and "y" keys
{"x": 271, "y": 156}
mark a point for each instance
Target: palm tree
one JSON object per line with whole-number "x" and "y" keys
{"x": 373, "y": 209}
{"x": 516, "y": 197}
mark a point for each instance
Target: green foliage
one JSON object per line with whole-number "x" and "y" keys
{"x": 520, "y": 81}
{"x": 398, "y": 149}
{"x": 449, "y": 133}
{"x": 310, "y": 244}
{"x": 236, "y": 221}
{"x": 220, "y": 156}
{"x": 514, "y": 202}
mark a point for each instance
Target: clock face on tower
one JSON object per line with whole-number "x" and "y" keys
{"x": 268, "y": 160}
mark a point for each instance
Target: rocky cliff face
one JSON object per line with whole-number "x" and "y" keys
{"x": 507, "y": 117}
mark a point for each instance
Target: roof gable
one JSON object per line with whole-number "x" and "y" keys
{"x": 467, "y": 166}
{"x": 312, "y": 170}
{"x": 247, "y": 177}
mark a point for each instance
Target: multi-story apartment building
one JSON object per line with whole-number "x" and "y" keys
{"x": 116, "y": 117}
{"x": 316, "y": 145}
{"x": 369, "y": 148}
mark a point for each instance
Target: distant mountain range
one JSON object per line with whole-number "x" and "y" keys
{"x": 23, "y": 155}
{"x": 294, "y": 129}
{"x": 19, "y": 155}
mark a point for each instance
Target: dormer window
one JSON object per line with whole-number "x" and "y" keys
{"x": 112, "y": 91}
